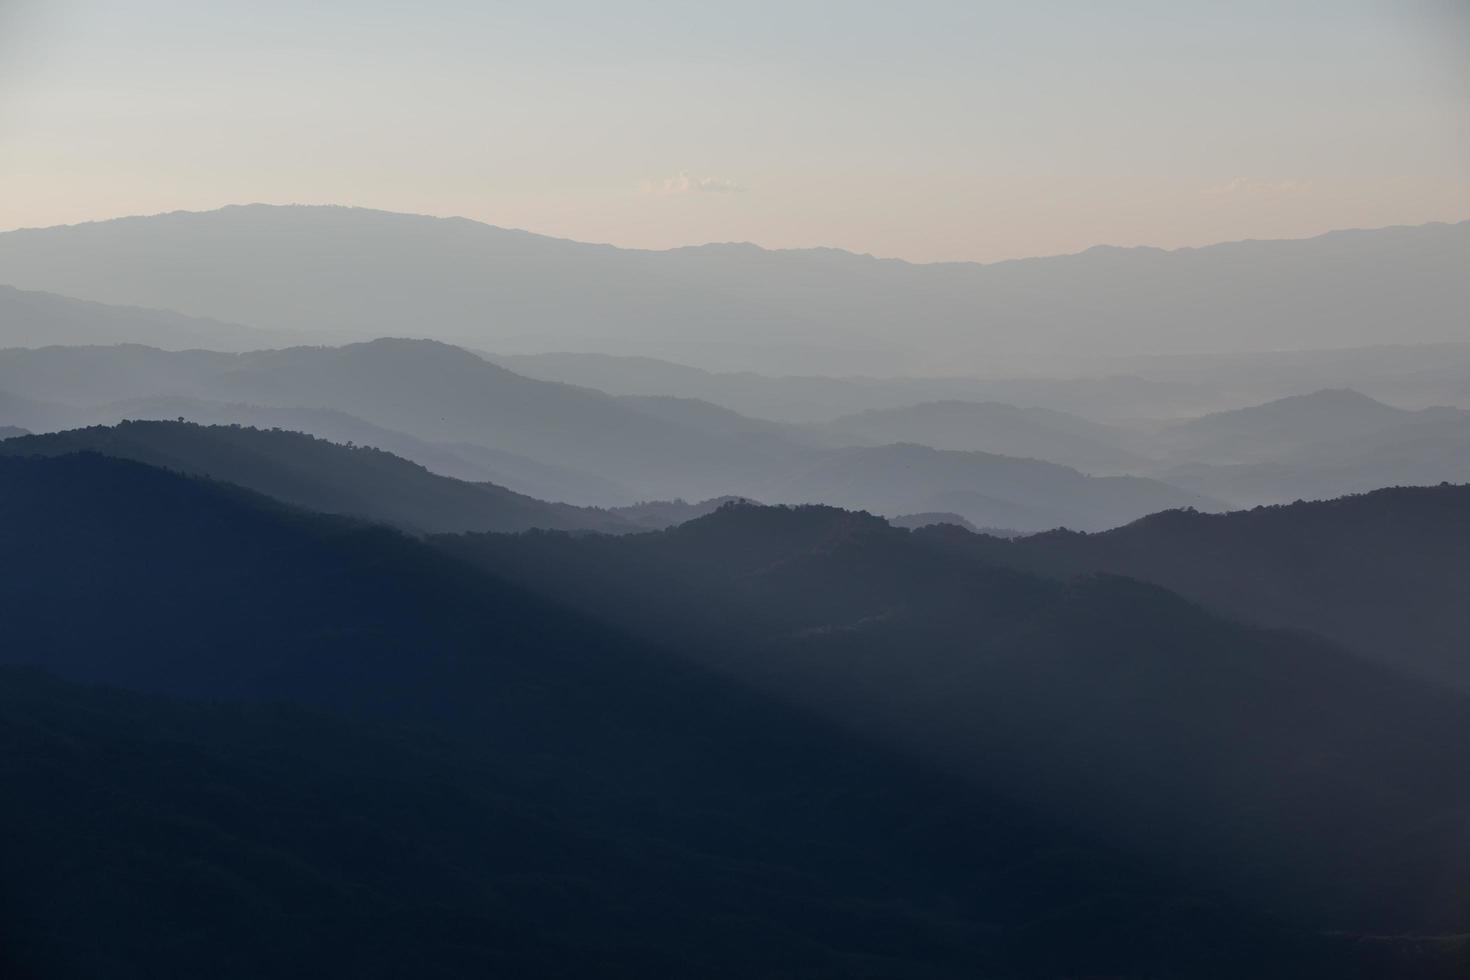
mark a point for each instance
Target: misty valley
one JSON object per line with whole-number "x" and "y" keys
{"x": 347, "y": 636}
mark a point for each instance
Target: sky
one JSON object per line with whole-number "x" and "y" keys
{"x": 923, "y": 130}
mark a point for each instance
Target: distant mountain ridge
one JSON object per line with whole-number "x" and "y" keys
{"x": 431, "y": 391}
{"x": 1292, "y": 423}
{"x": 38, "y": 319}
{"x": 357, "y": 273}
{"x": 405, "y": 393}
{"x": 995, "y": 427}
{"x": 1316, "y": 446}
{"x": 986, "y": 488}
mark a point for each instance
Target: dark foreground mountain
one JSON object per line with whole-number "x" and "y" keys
{"x": 323, "y": 476}
{"x": 1272, "y": 760}
{"x": 474, "y": 780}
{"x": 1386, "y": 573}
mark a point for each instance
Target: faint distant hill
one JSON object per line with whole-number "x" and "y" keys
{"x": 986, "y": 489}
{"x": 1325, "y": 444}
{"x": 1425, "y": 451}
{"x": 37, "y": 319}
{"x": 11, "y": 432}
{"x": 369, "y": 273}
{"x": 322, "y": 476}
{"x": 794, "y": 398}
{"x": 657, "y": 515}
{"x": 1290, "y": 424}
{"x": 1408, "y": 374}
{"x": 448, "y": 394}
{"x": 1384, "y": 573}
{"x": 995, "y": 427}
{"x": 915, "y": 521}
{"x": 29, "y": 413}
{"x": 716, "y": 420}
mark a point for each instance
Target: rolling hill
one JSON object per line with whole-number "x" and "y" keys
{"x": 1382, "y": 573}
{"x": 432, "y": 392}
{"x": 986, "y": 489}
{"x": 547, "y": 434}
{"x": 319, "y": 475}
{"x": 1290, "y": 425}
{"x": 1431, "y": 447}
{"x": 999, "y": 429}
{"x": 460, "y": 460}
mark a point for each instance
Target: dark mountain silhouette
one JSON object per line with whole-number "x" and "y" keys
{"x": 995, "y": 427}
{"x": 1385, "y": 573}
{"x": 1288, "y": 425}
{"x": 323, "y": 476}
{"x": 472, "y": 778}
{"x": 1275, "y": 761}
{"x": 37, "y": 319}
{"x": 374, "y": 273}
{"x": 986, "y": 489}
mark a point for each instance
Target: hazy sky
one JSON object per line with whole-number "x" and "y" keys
{"x": 926, "y": 130}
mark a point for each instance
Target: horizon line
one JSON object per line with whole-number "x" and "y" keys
{"x": 1102, "y": 246}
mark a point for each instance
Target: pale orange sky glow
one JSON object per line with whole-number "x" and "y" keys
{"x": 946, "y": 132}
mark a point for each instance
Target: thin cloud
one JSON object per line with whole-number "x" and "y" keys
{"x": 684, "y": 183}
{"x": 1242, "y": 186}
